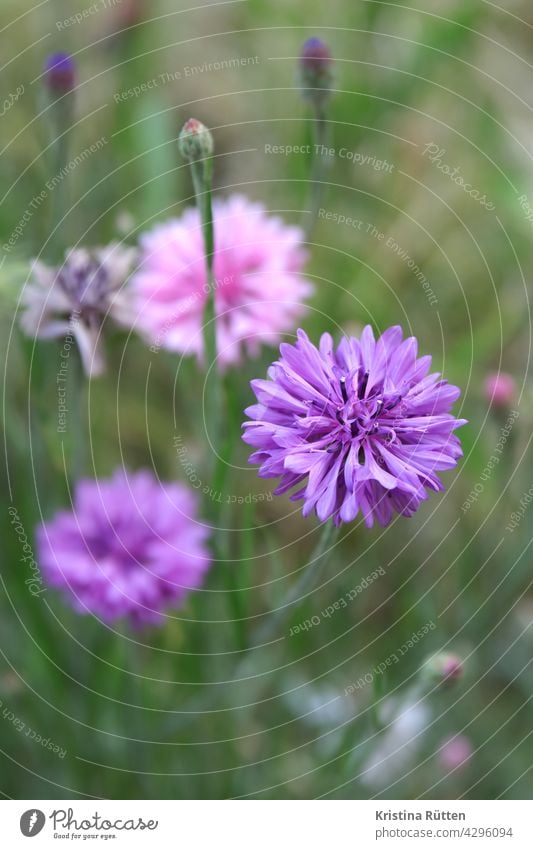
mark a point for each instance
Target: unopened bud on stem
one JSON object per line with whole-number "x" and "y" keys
{"x": 59, "y": 73}
{"x": 316, "y": 72}
{"x": 443, "y": 668}
{"x": 195, "y": 141}
{"x": 500, "y": 389}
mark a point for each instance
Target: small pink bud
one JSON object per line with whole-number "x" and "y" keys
{"x": 444, "y": 668}
{"x": 195, "y": 141}
{"x": 500, "y": 389}
{"x": 131, "y": 13}
{"x": 454, "y": 752}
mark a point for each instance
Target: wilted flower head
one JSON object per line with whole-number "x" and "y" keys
{"x": 131, "y": 548}
{"x": 362, "y": 428}
{"x": 454, "y": 752}
{"x": 259, "y": 290}
{"x": 195, "y": 141}
{"x": 60, "y": 73}
{"x": 500, "y": 389}
{"x": 78, "y": 296}
{"x": 316, "y": 71}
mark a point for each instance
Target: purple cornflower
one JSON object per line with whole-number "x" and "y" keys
{"x": 130, "y": 548}
{"x": 60, "y": 73}
{"x": 363, "y": 427}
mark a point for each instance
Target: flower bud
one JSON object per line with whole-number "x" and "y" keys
{"x": 316, "y": 71}
{"x": 500, "y": 389}
{"x": 443, "y": 668}
{"x": 454, "y": 752}
{"x": 195, "y": 141}
{"x": 60, "y": 73}
{"x": 130, "y": 13}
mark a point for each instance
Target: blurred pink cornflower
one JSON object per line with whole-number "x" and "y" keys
{"x": 454, "y": 752}
{"x": 259, "y": 287}
{"x": 78, "y": 296}
{"x": 130, "y": 548}
{"x": 500, "y": 389}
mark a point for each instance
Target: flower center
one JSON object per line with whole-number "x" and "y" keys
{"x": 362, "y": 415}
{"x": 85, "y": 284}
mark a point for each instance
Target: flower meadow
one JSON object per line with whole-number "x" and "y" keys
{"x": 266, "y": 402}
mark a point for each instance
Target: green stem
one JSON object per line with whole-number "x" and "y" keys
{"x": 318, "y": 168}
{"x": 77, "y": 437}
{"x": 378, "y": 690}
{"x": 60, "y": 119}
{"x": 307, "y": 580}
{"x": 202, "y": 178}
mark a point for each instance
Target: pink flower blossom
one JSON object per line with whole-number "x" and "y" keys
{"x": 259, "y": 287}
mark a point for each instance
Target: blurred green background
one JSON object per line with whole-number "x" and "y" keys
{"x": 149, "y": 714}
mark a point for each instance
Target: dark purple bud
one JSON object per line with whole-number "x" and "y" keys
{"x": 60, "y": 73}
{"x": 316, "y": 71}
{"x": 315, "y": 55}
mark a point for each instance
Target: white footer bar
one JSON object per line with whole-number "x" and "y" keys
{"x": 267, "y": 824}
